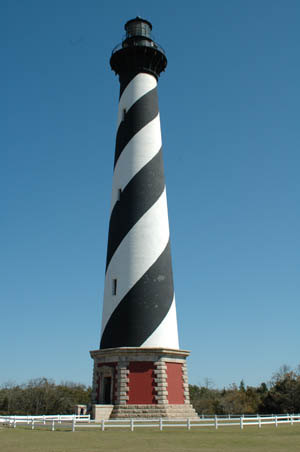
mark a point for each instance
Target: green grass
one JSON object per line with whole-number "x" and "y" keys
{"x": 268, "y": 438}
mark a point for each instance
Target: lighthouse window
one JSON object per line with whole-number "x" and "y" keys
{"x": 119, "y": 194}
{"x": 114, "y": 287}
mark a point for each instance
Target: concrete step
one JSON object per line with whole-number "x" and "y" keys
{"x": 153, "y": 411}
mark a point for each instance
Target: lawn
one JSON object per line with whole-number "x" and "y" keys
{"x": 269, "y": 438}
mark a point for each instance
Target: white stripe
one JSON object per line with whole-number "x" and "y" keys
{"x": 140, "y": 85}
{"x": 138, "y": 152}
{"x": 166, "y": 334}
{"x": 139, "y": 249}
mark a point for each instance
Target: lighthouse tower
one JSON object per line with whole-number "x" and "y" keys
{"x": 139, "y": 369}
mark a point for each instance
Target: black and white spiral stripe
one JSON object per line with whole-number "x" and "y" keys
{"x": 139, "y": 303}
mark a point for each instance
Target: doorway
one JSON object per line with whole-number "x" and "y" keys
{"x": 107, "y": 390}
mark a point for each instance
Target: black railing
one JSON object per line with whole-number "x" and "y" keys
{"x": 143, "y": 43}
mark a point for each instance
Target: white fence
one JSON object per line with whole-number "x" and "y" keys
{"x": 52, "y": 420}
{"x": 74, "y": 422}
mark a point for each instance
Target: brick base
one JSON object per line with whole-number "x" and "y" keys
{"x": 142, "y": 382}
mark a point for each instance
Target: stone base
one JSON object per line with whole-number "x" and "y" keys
{"x": 100, "y": 412}
{"x": 142, "y": 382}
{"x": 184, "y": 411}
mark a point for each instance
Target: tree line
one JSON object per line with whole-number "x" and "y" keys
{"x": 280, "y": 396}
{"x": 42, "y": 396}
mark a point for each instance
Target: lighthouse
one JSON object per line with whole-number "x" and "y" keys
{"x": 139, "y": 369}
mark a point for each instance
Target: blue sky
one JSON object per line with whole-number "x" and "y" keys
{"x": 229, "y": 104}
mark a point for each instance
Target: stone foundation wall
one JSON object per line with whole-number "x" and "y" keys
{"x": 168, "y": 368}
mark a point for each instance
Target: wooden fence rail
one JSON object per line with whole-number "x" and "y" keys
{"x": 74, "y": 422}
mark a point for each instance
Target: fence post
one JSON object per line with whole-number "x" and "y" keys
{"x": 276, "y": 423}
{"x": 32, "y": 424}
{"x": 216, "y": 422}
{"x": 241, "y": 423}
{"x": 102, "y": 425}
{"x": 160, "y": 424}
{"x": 73, "y": 424}
{"x": 131, "y": 425}
{"x": 292, "y": 419}
{"x": 188, "y": 424}
{"x": 259, "y": 422}
{"x": 53, "y": 425}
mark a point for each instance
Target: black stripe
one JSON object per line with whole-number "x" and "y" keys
{"x": 143, "y": 308}
{"x": 138, "y": 116}
{"x": 125, "y": 79}
{"x": 139, "y": 195}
